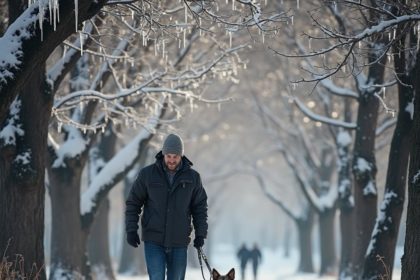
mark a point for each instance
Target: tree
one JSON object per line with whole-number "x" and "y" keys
{"x": 26, "y": 57}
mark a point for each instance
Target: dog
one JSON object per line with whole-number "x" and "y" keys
{"x": 230, "y": 276}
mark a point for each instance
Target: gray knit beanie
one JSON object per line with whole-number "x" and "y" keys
{"x": 173, "y": 145}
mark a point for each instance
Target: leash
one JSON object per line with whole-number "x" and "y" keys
{"x": 202, "y": 256}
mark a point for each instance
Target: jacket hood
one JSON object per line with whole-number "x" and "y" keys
{"x": 185, "y": 161}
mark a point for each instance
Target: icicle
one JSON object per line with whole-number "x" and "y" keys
{"x": 155, "y": 47}
{"x": 65, "y": 50}
{"x": 76, "y": 12}
{"x": 310, "y": 43}
{"x": 41, "y": 18}
{"x": 230, "y": 39}
{"x": 103, "y": 129}
{"x": 59, "y": 126}
{"x": 199, "y": 26}
{"x": 50, "y": 7}
{"x": 263, "y": 37}
{"x": 163, "y": 48}
{"x": 233, "y": 5}
{"x": 186, "y": 14}
{"x": 81, "y": 43}
{"x": 292, "y": 20}
{"x": 227, "y": 2}
{"x": 185, "y": 34}
{"x": 394, "y": 33}
{"x": 297, "y": 4}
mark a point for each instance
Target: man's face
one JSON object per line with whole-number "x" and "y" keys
{"x": 172, "y": 161}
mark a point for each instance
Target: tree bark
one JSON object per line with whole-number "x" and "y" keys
{"x": 304, "y": 227}
{"x": 364, "y": 162}
{"x": 36, "y": 51}
{"x": 98, "y": 245}
{"x": 384, "y": 237}
{"x": 99, "y": 257}
{"x": 327, "y": 242}
{"x": 345, "y": 197}
{"x": 132, "y": 261}
{"x": 68, "y": 242}
{"x": 22, "y": 182}
{"x": 411, "y": 260}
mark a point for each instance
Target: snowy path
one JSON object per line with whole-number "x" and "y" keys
{"x": 274, "y": 267}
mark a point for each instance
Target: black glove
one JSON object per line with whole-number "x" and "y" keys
{"x": 133, "y": 238}
{"x": 198, "y": 242}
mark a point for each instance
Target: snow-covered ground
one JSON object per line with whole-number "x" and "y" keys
{"x": 274, "y": 267}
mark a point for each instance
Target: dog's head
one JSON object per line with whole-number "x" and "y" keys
{"x": 230, "y": 276}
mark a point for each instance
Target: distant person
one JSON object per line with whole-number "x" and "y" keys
{"x": 255, "y": 256}
{"x": 243, "y": 255}
{"x": 170, "y": 196}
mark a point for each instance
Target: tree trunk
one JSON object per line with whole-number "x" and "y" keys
{"x": 98, "y": 245}
{"x": 132, "y": 261}
{"x": 364, "y": 162}
{"x": 327, "y": 244}
{"x": 99, "y": 257}
{"x": 411, "y": 260}
{"x": 346, "y": 229}
{"x": 345, "y": 199}
{"x": 304, "y": 227}
{"x": 22, "y": 179}
{"x": 385, "y": 234}
{"x": 68, "y": 242}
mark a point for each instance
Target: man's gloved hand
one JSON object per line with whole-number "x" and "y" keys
{"x": 198, "y": 242}
{"x": 133, "y": 238}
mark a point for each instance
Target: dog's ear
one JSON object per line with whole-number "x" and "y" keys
{"x": 215, "y": 274}
{"x": 231, "y": 274}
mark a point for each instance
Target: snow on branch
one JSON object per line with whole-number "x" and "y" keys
{"x": 74, "y": 145}
{"x": 115, "y": 169}
{"x": 389, "y": 123}
{"x": 304, "y": 184}
{"x": 322, "y": 119}
{"x": 272, "y": 198}
{"x": 339, "y": 91}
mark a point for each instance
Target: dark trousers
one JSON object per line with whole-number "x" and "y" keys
{"x": 160, "y": 259}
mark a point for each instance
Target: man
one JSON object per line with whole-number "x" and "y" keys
{"x": 171, "y": 196}
{"x": 243, "y": 255}
{"x": 255, "y": 256}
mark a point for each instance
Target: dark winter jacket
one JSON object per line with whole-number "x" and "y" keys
{"x": 167, "y": 210}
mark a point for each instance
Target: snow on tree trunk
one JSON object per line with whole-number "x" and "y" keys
{"x": 364, "y": 162}
{"x": 345, "y": 195}
{"x": 22, "y": 178}
{"x": 384, "y": 236}
{"x": 22, "y": 41}
{"x": 411, "y": 260}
